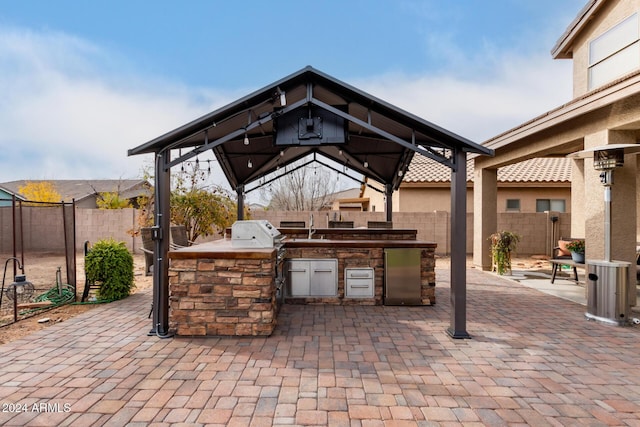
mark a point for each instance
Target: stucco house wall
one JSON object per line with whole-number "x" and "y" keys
{"x": 611, "y": 13}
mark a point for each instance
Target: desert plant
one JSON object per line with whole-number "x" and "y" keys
{"x": 110, "y": 264}
{"x": 502, "y": 244}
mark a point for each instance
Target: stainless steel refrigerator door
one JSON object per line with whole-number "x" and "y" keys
{"x": 402, "y": 277}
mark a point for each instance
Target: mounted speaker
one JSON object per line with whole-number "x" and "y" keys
{"x": 310, "y": 126}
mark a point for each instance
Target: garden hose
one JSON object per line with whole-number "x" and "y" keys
{"x": 58, "y": 296}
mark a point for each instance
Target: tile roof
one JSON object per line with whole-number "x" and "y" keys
{"x": 548, "y": 169}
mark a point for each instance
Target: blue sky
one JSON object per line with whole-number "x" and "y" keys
{"x": 82, "y": 82}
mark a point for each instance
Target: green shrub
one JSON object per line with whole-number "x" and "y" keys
{"x": 110, "y": 264}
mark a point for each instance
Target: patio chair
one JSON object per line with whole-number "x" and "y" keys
{"x": 179, "y": 237}
{"x": 560, "y": 254}
{"x": 292, "y": 224}
{"x": 147, "y": 248}
{"x": 380, "y": 224}
{"x": 340, "y": 224}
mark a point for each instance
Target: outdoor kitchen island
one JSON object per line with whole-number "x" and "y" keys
{"x": 218, "y": 289}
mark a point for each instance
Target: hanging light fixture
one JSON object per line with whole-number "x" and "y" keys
{"x": 246, "y": 139}
{"x": 366, "y": 164}
{"x": 249, "y": 164}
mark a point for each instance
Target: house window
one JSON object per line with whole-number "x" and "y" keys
{"x": 513, "y": 205}
{"x": 555, "y": 205}
{"x": 615, "y": 53}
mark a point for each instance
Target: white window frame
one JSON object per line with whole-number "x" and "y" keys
{"x": 614, "y": 53}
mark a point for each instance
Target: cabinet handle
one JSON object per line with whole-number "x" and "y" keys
{"x": 323, "y": 271}
{"x": 359, "y": 286}
{"x": 365, "y": 276}
{"x": 301, "y": 270}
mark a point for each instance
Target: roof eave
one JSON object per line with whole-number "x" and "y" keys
{"x": 563, "y": 48}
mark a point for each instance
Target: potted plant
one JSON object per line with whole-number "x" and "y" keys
{"x": 502, "y": 244}
{"x": 576, "y": 247}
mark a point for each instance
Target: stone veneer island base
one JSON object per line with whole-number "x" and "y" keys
{"x": 218, "y": 290}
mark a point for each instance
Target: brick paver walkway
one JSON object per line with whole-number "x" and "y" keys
{"x": 533, "y": 360}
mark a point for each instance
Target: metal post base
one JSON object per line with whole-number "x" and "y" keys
{"x": 458, "y": 334}
{"x": 590, "y": 316}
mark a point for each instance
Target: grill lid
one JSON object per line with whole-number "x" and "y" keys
{"x": 258, "y": 233}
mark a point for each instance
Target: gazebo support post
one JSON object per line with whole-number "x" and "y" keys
{"x": 160, "y": 326}
{"x": 388, "y": 191}
{"x": 458, "y": 326}
{"x": 240, "y": 195}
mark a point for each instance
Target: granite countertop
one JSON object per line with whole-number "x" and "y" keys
{"x": 223, "y": 248}
{"x": 220, "y": 249}
{"x": 327, "y": 243}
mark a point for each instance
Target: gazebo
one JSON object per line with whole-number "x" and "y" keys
{"x": 312, "y": 116}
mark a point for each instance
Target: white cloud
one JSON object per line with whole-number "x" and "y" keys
{"x": 72, "y": 110}
{"x": 516, "y": 90}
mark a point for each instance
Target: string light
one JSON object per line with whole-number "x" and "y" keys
{"x": 249, "y": 164}
{"x": 246, "y": 139}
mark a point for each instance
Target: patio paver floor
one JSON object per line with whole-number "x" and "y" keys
{"x": 533, "y": 360}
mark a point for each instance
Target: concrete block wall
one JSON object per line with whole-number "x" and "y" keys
{"x": 534, "y": 228}
{"x": 43, "y": 230}
{"x": 98, "y": 224}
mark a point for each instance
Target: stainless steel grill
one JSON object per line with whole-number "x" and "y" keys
{"x": 261, "y": 234}
{"x": 255, "y": 234}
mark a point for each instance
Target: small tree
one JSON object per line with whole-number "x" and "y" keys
{"x": 112, "y": 200}
{"x": 40, "y": 191}
{"x": 203, "y": 212}
{"x": 308, "y": 188}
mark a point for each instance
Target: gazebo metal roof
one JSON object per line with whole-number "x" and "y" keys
{"x": 357, "y": 130}
{"x": 311, "y": 115}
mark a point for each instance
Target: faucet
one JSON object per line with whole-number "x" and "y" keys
{"x": 311, "y": 230}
